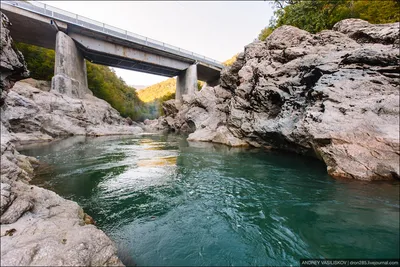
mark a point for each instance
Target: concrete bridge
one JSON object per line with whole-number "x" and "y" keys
{"x": 76, "y": 38}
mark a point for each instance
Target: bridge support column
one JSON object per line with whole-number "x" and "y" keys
{"x": 186, "y": 83}
{"x": 70, "y": 77}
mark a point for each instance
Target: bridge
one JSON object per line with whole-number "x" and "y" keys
{"x": 76, "y": 38}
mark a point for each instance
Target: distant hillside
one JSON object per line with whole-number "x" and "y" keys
{"x": 139, "y": 87}
{"x": 157, "y": 90}
{"x": 230, "y": 61}
{"x": 161, "y": 90}
{"x": 166, "y": 89}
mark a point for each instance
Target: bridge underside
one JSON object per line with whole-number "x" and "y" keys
{"x": 31, "y": 28}
{"x": 207, "y": 74}
{"x": 204, "y": 73}
{"x": 123, "y": 63}
{"x": 100, "y": 48}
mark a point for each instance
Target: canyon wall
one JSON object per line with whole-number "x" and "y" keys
{"x": 38, "y": 227}
{"x": 333, "y": 95}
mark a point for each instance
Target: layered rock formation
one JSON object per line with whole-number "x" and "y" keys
{"x": 333, "y": 95}
{"x": 12, "y": 63}
{"x": 34, "y": 114}
{"x": 37, "y": 226}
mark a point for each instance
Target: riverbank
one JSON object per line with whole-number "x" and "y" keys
{"x": 296, "y": 91}
{"x": 166, "y": 201}
{"x": 333, "y": 95}
{"x": 33, "y": 113}
{"x": 38, "y": 227}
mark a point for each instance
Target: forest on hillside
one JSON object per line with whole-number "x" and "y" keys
{"x": 317, "y": 15}
{"x": 165, "y": 89}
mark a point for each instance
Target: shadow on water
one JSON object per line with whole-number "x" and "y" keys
{"x": 166, "y": 201}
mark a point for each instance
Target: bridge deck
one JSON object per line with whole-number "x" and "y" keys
{"x": 79, "y": 23}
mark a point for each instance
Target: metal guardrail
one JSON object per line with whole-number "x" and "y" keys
{"x": 69, "y": 17}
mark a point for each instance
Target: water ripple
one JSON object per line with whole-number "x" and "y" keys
{"x": 168, "y": 202}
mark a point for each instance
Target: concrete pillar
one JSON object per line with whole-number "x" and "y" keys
{"x": 186, "y": 83}
{"x": 70, "y": 77}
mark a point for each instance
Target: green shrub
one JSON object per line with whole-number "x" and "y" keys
{"x": 317, "y": 15}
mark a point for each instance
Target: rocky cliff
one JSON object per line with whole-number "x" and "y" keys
{"x": 333, "y": 95}
{"x": 12, "y": 63}
{"x": 37, "y": 226}
{"x": 34, "y": 113}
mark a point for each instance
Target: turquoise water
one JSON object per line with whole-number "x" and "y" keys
{"x": 165, "y": 201}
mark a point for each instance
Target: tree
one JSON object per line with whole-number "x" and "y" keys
{"x": 40, "y": 61}
{"x": 318, "y": 15}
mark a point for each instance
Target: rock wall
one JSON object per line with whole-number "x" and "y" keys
{"x": 333, "y": 95}
{"x": 12, "y": 63}
{"x": 37, "y": 226}
{"x": 33, "y": 114}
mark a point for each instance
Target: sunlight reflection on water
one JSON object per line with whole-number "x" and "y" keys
{"x": 165, "y": 201}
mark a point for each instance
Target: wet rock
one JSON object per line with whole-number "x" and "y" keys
{"x": 224, "y": 136}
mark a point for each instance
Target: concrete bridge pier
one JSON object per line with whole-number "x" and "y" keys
{"x": 186, "y": 83}
{"x": 70, "y": 77}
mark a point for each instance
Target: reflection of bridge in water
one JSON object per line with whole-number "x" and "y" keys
{"x": 76, "y": 38}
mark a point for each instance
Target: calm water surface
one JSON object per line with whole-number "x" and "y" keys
{"x": 165, "y": 201}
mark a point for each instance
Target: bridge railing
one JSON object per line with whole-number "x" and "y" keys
{"x": 82, "y": 21}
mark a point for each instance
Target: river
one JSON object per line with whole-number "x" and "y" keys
{"x": 166, "y": 201}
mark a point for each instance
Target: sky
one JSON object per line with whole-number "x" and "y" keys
{"x": 216, "y": 29}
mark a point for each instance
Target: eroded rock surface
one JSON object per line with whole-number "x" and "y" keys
{"x": 33, "y": 114}
{"x": 53, "y": 233}
{"x": 12, "y": 63}
{"x": 37, "y": 226}
{"x": 333, "y": 95}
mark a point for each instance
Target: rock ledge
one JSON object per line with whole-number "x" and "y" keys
{"x": 333, "y": 95}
